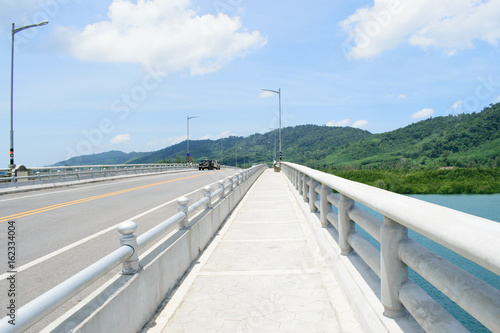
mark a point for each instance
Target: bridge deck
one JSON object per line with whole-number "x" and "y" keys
{"x": 262, "y": 273}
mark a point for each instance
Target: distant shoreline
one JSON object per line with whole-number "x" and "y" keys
{"x": 428, "y": 181}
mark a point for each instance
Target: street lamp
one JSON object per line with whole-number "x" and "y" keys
{"x": 14, "y": 31}
{"x": 188, "y": 117}
{"x": 279, "y": 95}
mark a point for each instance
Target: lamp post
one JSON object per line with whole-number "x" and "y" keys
{"x": 14, "y": 31}
{"x": 279, "y": 96}
{"x": 188, "y": 117}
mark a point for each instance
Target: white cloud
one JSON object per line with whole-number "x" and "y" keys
{"x": 424, "y": 113}
{"x": 120, "y": 138}
{"x": 168, "y": 34}
{"x": 449, "y": 25}
{"x": 360, "y": 123}
{"x": 457, "y": 104}
{"x": 343, "y": 122}
{"x": 222, "y": 135}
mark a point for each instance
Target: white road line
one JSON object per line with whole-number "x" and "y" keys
{"x": 84, "y": 240}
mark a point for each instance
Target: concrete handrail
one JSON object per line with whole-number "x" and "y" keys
{"x": 127, "y": 254}
{"x": 39, "y": 175}
{"x": 472, "y": 237}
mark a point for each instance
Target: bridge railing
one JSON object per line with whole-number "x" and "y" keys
{"x": 127, "y": 255}
{"x": 470, "y": 236}
{"x": 43, "y": 175}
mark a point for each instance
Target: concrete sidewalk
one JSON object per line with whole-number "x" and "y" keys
{"x": 262, "y": 273}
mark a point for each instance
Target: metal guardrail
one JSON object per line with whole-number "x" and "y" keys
{"x": 127, "y": 255}
{"x": 470, "y": 236}
{"x": 44, "y": 175}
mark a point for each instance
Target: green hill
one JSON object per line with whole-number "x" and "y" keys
{"x": 110, "y": 157}
{"x": 465, "y": 140}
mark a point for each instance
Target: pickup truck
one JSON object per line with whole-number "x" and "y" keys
{"x": 209, "y": 165}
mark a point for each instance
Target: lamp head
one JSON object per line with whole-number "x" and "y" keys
{"x": 43, "y": 23}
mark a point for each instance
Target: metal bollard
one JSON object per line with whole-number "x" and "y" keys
{"x": 221, "y": 187}
{"x": 127, "y": 229}
{"x": 206, "y": 193}
{"x": 183, "y": 202}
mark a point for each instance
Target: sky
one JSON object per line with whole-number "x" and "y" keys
{"x": 125, "y": 75}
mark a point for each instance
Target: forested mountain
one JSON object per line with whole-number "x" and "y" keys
{"x": 110, "y": 157}
{"x": 465, "y": 140}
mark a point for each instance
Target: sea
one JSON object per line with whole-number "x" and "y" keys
{"x": 485, "y": 206}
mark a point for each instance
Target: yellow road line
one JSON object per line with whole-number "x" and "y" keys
{"x": 74, "y": 202}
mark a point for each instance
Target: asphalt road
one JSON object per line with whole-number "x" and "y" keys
{"x": 59, "y": 232}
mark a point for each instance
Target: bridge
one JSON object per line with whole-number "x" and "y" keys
{"x": 263, "y": 250}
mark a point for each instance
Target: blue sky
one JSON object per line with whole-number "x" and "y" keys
{"x": 124, "y": 75}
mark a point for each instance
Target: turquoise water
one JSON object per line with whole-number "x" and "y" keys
{"x": 486, "y": 206}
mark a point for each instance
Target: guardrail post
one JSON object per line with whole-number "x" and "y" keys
{"x": 91, "y": 172}
{"x": 183, "y": 202}
{"x": 312, "y": 195}
{"x": 221, "y": 187}
{"x": 206, "y": 193}
{"x": 297, "y": 185}
{"x": 325, "y": 206}
{"x": 230, "y": 179}
{"x": 301, "y": 183}
{"x": 346, "y": 225}
{"x": 304, "y": 188}
{"x": 393, "y": 271}
{"x": 59, "y": 175}
{"x": 127, "y": 229}
{"x": 38, "y": 176}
